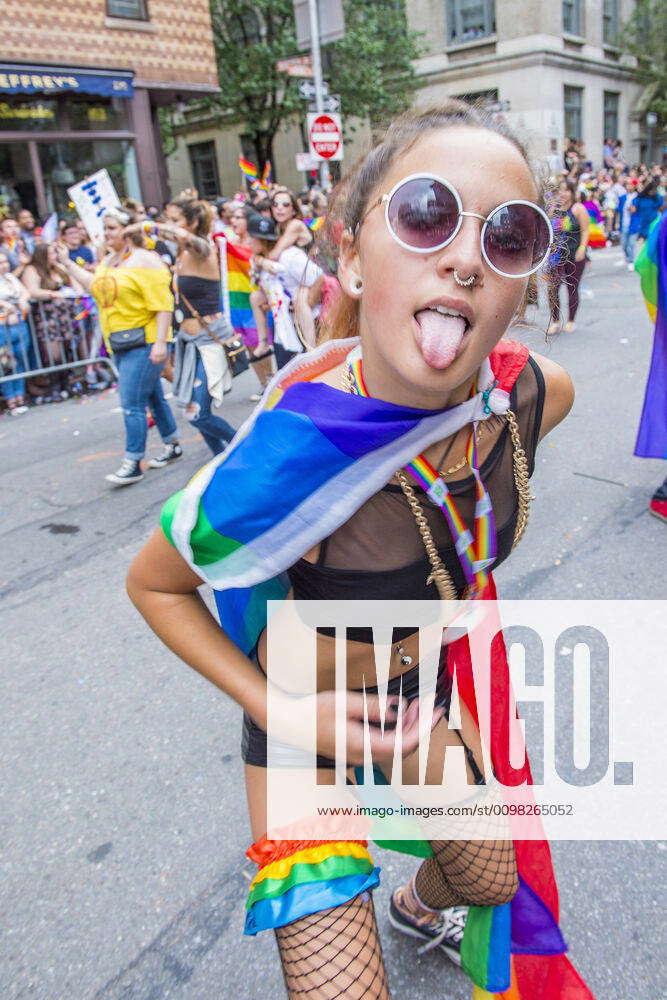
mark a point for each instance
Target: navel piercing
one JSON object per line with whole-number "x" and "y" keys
{"x": 357, "y": 285}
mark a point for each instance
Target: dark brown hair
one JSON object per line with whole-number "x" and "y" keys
{"x": 351, "y": 197}
{"x": 197, "y": 211}
{"x": 295, "y": 205}
{"x": 571, "y": 186}
{"x": 40, "y": 262}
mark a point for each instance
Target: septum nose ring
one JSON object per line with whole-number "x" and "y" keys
{"x": 468, "y": 281}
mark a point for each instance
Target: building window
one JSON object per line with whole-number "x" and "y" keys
{"x": 572, "y": 17}
{"x": 204, "y": 164}
{"x": 468, "y": 20}
{"x": 479, "y": 97}
{"x": 610, "y": 127}
{"x": 134, "y": 10}
{"x": 610, "y": 22}
{"x": 572, "y": 104}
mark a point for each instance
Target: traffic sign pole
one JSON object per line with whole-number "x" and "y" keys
{"x": 317, "y": 73}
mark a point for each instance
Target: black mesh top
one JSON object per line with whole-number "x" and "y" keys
{"x": 379, "y": 554}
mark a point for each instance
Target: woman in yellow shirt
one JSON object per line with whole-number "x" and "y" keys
{"x": 132, "y": 288}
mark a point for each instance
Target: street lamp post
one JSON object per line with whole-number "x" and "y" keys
{"x": 317, "y": 73}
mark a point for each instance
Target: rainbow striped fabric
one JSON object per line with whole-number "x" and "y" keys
{"x": 315, "y": 224}
{"x": 236, "y": 289}
{"x": 596, "y": 235}
{"x": 296, "y": 878}
{"x": 247, "y": 167}
{"x": 651, "y": 265}
{"x": 313, "y": 457}
{"x": 476, "y": 552}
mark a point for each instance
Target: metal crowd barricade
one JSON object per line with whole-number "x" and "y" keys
{"x": 64, "y": 334}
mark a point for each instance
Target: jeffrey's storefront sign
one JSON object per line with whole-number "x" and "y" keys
{"x": 47, "y": 79}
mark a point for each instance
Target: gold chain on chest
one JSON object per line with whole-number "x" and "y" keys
{"x": 439, "y": 573}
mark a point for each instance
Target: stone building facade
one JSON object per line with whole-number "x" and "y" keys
{"x": 555, "y": 69}
{"x": 81, "y": 82}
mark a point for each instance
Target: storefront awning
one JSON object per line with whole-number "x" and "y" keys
{"x": 21, "y": 79}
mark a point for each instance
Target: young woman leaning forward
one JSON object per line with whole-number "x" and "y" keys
{"x": 442, "y": 229}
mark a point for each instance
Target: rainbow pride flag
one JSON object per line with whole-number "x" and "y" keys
{"x": 596, "y": 235}
{"x": 651, "y": 265}
{"x": 247, "y": 168}
{"x": 267, "y": 175}
{"x": 305, "y": 460}
{"x": 315, "y": 224}
{"x": 236, "y": 288}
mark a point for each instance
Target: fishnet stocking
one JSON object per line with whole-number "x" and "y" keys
{"x": 468, "y": 873}
{"x": 334, "y": 954}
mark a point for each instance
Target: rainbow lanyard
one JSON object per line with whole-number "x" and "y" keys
{"x": 476, "y": 553}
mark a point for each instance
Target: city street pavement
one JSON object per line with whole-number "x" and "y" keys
{"x": 122, "y": 816}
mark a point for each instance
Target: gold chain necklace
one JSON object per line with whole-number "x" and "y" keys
{"x": 439, "y": 573}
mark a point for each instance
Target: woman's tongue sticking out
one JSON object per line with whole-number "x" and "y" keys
{"x": 439, "y": 337}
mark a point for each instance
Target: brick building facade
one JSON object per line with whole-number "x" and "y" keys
{"x": 81, "y": 82}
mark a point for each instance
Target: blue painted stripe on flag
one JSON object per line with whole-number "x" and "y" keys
{"x": 375, "y": 422}
{"x": 236, "y": 497}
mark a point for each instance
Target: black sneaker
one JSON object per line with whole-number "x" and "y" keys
{"x": 444, "y": 931}
{"x": 169, "y": 453}
{"x": 129, "y": 472}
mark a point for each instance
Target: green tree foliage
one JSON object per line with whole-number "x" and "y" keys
{"x": 370, "y": 67}
{"x": 249, "y": 39}
{"x": 645, "y": 36}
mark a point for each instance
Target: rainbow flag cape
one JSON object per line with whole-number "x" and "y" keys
{"x": 247, "y": 167}
{"x": 236, "y": 288}
{"x": 651, "y": 265}
{"x": 305, "y": 460}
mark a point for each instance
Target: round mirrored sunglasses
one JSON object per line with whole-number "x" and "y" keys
{"x": 424, "y": 213}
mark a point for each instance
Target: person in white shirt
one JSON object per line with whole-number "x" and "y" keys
{"x": 280, "y": 281}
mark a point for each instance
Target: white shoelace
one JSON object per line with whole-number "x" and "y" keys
{"x": 454, "y": 922}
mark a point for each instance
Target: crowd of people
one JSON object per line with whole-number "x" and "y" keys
{"x": 41, "y": 293}
{"x": 623, "y": 198}
{"x": 614, "y": 205}
{"x": 156, "y": 282}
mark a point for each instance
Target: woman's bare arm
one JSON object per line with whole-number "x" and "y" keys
{"x": 163, "y": 588}
{"x": 77, "y": 273}
{"x": 558, "y": 395}
{"x": 292, "y": 232}
{"x": 31, "y": 280}
{"x": 584, "y": 224}
{"x": 177, "y": 234}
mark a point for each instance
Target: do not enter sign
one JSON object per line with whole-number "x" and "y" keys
{"x": 326, "y": 136}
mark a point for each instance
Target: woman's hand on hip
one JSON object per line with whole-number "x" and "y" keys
{"x": 158, "y": 353}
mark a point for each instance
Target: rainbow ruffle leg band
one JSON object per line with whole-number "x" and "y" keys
{"x": 299, "y": 877}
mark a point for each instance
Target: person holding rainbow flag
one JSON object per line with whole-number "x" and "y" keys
{"x": 390, "y": 462}
{"x": 651, "y": 264}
